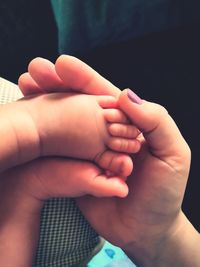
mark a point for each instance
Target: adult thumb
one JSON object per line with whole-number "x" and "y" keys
{"x": 159, "y": 129}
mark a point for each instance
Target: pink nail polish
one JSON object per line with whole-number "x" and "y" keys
{"x": 133, "y": 97}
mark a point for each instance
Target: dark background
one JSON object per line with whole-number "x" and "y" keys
{"x": 27, "y": 30}
{"x": 162, "y": 67}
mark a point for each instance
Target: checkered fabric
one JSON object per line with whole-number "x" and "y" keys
{"x": 66, "y": 238}
{"x": 9, "y": 92}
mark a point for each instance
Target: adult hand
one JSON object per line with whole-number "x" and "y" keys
{"x": 150, "y": 215}
{"x": 68, "y": 74}
{"x": 149, "y": 224}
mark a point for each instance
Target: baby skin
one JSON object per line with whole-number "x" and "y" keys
{"x": 69, "y": 125}
{"x": 45, "y": 132}
{"x": 71, "y": 145}
{"x": 119, "y": 136}
{"x": 80, "y": 123}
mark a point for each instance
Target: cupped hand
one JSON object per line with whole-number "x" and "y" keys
{"x": 141, "y": 221}
{"x": 150, "y": 213}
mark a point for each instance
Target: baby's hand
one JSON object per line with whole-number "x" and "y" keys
{"x": 45, "y": 178}
{"x": 23, "y": 190}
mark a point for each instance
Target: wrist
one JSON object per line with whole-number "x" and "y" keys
{"x": 181, "y": 247}
{"x": 178, "y": 247}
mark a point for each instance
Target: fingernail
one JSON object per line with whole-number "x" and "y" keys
{"x": 133, "y": 97}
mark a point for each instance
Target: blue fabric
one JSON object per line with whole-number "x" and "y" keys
{"x": 110, "y": 256}
{"x": 83, "y": 25}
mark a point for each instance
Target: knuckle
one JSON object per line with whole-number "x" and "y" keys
{"x": 161, "y": 110}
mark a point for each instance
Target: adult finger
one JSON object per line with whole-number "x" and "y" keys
{"x": 159, "y": 129}
{"x": 79, "y": 76}
{"x": 27, "y": 85}
{"x": 43, "y": 73}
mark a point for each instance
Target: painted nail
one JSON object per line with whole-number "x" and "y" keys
{"x": 133, "y": 97}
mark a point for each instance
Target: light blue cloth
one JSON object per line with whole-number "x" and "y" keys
{"x": 85, "y": 24}
{"x": 120, "y": 263}
{"x": 110, "y": 256}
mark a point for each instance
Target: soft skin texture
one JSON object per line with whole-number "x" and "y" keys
{"x": 66, "y": 124}
{"x": 149, "y": 224}
{"x": 34, "y": 166}
{"x": 150, "y": 219}
{"x": 35, "y": 129}
{"x": 23, "y": 190}
{"x": 68, "y": 74}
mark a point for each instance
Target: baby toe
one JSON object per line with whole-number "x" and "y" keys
{"x": 115, "y": 116}
{"x": 123, "y": 130}
{"x": 124, "y": 145}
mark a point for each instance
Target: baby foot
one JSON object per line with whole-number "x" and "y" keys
{"x": 73, "y": 125}
{"x": 42, "y": 77}
{"x": 122, "y": 139}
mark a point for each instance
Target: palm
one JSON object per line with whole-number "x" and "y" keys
{"x": 158, "y": 181}
{"x": 150, "y": 202}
